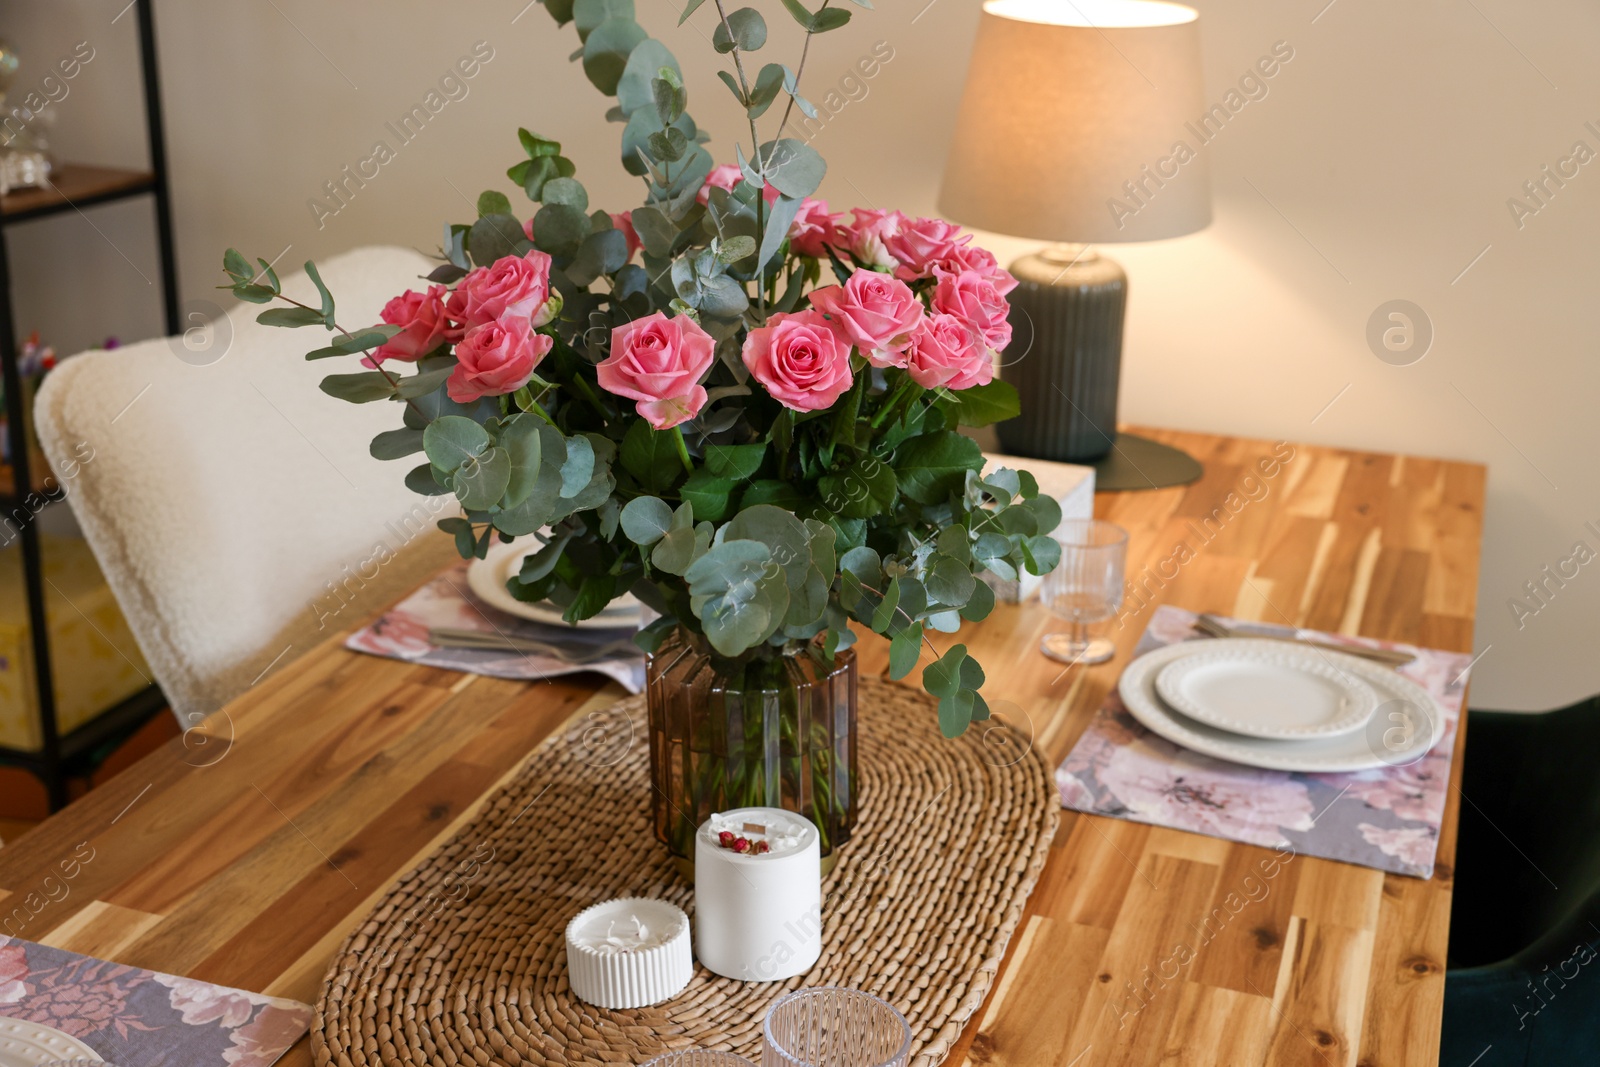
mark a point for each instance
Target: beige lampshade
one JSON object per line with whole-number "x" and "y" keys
{"x": 1082, "y": 121}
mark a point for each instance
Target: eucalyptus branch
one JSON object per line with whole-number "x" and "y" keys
{"x": 799, "y": 72}
{"x": 755, "y": 145}
{"x": 394, "y": 383}
{"x": 898, "y": 610}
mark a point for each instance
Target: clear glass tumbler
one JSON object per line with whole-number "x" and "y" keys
{"x": 1085, "y": 587}
{"x": 698, "y": 1057}
{"x": 829, "y": 1026}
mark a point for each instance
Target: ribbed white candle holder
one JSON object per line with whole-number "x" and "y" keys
{"x": 629, "y": 953}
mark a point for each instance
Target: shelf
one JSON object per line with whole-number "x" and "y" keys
{"x": 74, "y": 185}
{"x": 79, "y": 748}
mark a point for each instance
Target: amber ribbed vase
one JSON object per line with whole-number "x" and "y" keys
{"x": 776, "y": 732}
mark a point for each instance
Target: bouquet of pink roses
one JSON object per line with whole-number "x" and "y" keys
{"x": 674, "y": 405}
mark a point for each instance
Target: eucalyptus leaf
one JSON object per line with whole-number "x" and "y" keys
{"x": 743, "y": 29}
{"x": 480, "y": 481}
{"x": 396, "y": 444}
{"x": 452, "y": 440}
{"x": 793, "y": 167}
{"x": 606, "y": 50}
{"x": 360, "y": 388}
{"x": 646, "y": 520}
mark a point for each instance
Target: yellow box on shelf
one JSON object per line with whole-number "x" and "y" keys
{"x": 97, "y": 662}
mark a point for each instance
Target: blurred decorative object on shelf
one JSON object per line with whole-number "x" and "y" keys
{"x": 1074, "y": 128}
{"x": 776, "y": 732}
{"x": 24, "y": 161}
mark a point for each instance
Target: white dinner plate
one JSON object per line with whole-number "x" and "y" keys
{"x": 487, "y": 578}
{"x": 25, "y": 1044}
{"x": 1269, "y": 689}
{"x": 1404, "y": 727}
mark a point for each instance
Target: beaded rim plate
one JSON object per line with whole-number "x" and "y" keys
{"x": 29, "y": 1044}
{"x": 1268, "y": 689}
{"x": 1405, "y": 727}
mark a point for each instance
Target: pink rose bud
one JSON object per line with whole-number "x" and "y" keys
{"x": 973, "y": 299}
{"x": 946, "y": 351}
{"x": 814, "y": 230}
{"x": 978, "y": 260}
{"x": 512, "y": 287}
{"x": 725, "y": 838}
{"x": 802, "y": 359}
{"x": 623, "y": 220}
{"x": 875, "y": 312}
{"x": 659, "y": 362}
{"x": 726, "y": 176}
{"x": 494, "y": 359}
{"x": 742, "y": 845}
{"x": 866, "y": 238}
{"x": 920, "y": 243}
{"x": 424, "y": 326}
{"x": 722, "y": 176}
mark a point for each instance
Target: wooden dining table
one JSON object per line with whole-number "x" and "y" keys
{"x": 244, "y": 852}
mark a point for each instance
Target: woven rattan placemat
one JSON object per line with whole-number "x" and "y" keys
{"x": 463, "y": 962}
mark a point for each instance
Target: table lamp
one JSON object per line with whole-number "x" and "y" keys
{"x": 1078, "y": 125}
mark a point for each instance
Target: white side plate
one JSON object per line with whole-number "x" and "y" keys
{"x": 487, "y": 578}
{"x": 1405, "y": 726}
{"x": 25, "y": 1044}
{"x": 1268, "y": 689}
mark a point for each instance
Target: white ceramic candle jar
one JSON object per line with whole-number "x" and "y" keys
{"x": 758, "y": 908}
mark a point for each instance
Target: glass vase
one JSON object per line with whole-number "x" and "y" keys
{"x": 776, "y": 730}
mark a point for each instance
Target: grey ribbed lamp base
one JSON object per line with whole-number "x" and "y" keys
{"x": 1065, "y": 360}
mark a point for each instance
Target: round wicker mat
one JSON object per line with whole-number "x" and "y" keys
{"x": 463, "y": 962}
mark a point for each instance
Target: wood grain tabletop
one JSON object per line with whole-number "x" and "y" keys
{"x": 244, "y": 852}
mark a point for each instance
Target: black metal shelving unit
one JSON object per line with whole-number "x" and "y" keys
{"x": 74, "y": 189}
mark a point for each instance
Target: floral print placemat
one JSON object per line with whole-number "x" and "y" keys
{"x": 1386, "y": 818}
{"x": 447, "y": 603}
{"x": 137, "y": 1018}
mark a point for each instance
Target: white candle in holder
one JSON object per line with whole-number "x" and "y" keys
{"x": 629, "y": 953}
{"x": 758, "y": 908}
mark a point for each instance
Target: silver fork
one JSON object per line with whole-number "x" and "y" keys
{"x": 1212, "y": 626}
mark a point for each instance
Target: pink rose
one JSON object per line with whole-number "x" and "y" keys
{"x": 814, "y": 229}
{"x": 659, "y": 362}
{"x": 978, "y": 260}
{"x": 974, "y": 299}
{"x": 945, "y": 351}
{"x": 623, "y": 220}
{"x": 722, "y": 176}
{"x": 726, "y": 176}
{"x": 875, "y": 312}
{"x": 494, "y": 359}
{"x": 801, "y": 358}
{"x": 867, "y": 236}
{"x": 527, "y": 228}
{"x": 423, "y": 326}
{"x": 512, "y": 287}
{"x": 920, "y": 243}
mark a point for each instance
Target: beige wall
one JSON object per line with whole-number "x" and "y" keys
{"x": 1377, "y": 167}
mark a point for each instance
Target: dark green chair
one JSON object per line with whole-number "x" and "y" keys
{"x": 1523, "y": 985}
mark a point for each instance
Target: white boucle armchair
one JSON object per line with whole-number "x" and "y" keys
{"x": 233, "y": 505}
